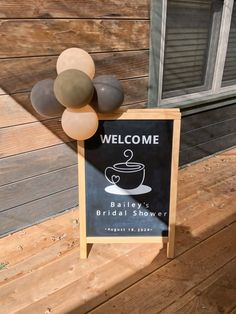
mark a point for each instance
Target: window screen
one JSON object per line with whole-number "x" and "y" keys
{"x": 192, "y": 29}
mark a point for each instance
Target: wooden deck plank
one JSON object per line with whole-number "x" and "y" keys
{"x": 184, "y": 241}
{"x": 217, "y": 294}
{"x": 65, "y": 270}
{"x": 27, "y": 137}
{"x": 37, "y": 211}
{"x": 202, "y": 135}
{"x": 207, "y": 118}
{"x": 206, "y": 173}
{"x": 207, "y": 188}
{"x": 182, "y": 237}
{"x": 172, "y": 281}
{"x": 216, "y": 200}
{"x": 38, "y": 245}
{"x": 26, "y": 165}
{"x": 38, "y": 237}
{"x": 15, "y": 112}
{"x": 111, "y": 269}
{"x": 28, "y": 190}
{"x": 102, "y": 284}
{"x": 208, "y": 148}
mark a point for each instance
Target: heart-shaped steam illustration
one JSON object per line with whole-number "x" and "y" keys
{"x": 115, "y": 179}
{"x": 129, "y": 154}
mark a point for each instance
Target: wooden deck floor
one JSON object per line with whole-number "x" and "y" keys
{"x": 41, "y": 271}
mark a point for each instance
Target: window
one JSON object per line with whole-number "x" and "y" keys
{"x": 195, "y": 53}
{"x": 229, "y": 74}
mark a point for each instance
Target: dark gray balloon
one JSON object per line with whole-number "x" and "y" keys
{"x": 44, "y": 101}
{"x": 108, "y": 95}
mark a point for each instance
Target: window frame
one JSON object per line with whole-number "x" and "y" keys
{"x": 157, "y": 52}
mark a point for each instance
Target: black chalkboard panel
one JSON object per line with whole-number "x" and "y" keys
{"x": 128, "y": 173}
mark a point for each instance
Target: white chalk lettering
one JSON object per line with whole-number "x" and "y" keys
{"x": 129, "y": 139}
{"x": 148, "y": 139}
{"x": 105, "y": 139}
{"x": 155, "y": 139}
{"x": 136, "y": 139}
{"x": 126, "y": 139}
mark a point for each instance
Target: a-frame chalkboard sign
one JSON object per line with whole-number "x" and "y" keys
{"x": 128, "y": 179}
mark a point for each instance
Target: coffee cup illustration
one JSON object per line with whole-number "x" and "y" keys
{"x": 128, "y": 176}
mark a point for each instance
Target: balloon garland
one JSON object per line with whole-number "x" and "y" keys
{"x": 76, "y": 94}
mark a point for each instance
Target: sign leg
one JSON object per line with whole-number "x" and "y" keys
{"x": 83, "y": 250}
{"x": 82, "y": 205}
{"x": 174, "y": 180}
{"x": 171, "y": 242}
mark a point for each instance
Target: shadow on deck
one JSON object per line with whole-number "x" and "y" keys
{"x": 42, "y": 272}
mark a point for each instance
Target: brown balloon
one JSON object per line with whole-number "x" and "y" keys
{"x": 73, "y": 88}
{"x": 76, "y": 58}
{"x": 80, "y": 124}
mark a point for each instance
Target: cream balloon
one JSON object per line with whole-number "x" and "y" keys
{"x": 80, "y": 124}
{"x": 76, "y": 58}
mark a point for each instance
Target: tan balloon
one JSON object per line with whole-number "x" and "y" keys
{"x": 76, "y": 58}
{"x": 80, "y": 124}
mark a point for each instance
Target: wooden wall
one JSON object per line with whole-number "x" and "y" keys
{"x": 37, "y": 160}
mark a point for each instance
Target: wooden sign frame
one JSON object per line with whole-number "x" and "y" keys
{"x": 134, "y": 114}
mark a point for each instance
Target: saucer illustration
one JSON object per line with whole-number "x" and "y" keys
{"x": 142, "y": 189}
{"x": 126, "y": 177}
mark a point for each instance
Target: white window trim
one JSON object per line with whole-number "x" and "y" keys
{"x": 223, "y": 45}
{"x": 162, "y": 49}
{"x": 216, "y": 88}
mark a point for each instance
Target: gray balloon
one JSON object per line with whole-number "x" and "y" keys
{"x": 108, "y": 95}
{"x": 44, "y": 101}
